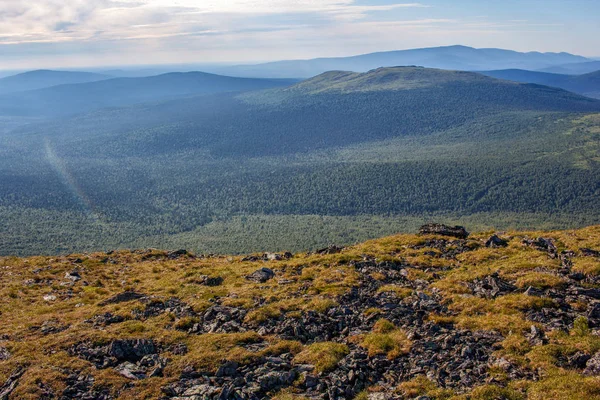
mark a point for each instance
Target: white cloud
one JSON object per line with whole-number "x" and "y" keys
{"x": 269, "y": 6}
{"x": 50, "y": 33}
{"x": 71, "y": 20}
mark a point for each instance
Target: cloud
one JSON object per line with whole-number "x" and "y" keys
{"x": 49, "y": 33}
{"x": 68, "y": 20}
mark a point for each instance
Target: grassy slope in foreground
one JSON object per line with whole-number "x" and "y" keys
{"x": 404, "y": 300}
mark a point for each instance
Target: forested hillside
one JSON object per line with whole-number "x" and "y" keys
{"x": 40, "y": 79}
{"x": 70, "y": 99}
{"x": 390, "y": 148}
{"x": 587, "y": 84}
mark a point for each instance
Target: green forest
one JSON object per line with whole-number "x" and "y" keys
{"x": 300, "y": 168}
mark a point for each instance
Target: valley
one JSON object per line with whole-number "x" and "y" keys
{"x": 368, "y": 147}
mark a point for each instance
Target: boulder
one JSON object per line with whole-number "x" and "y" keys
{"x": 177, "y": 254}
{"x": 332, "y": 249}
{"x": 594, "y": 311}
{"x": 491, "y": 286}
{"x": 105, "y": 319}
{"x": 131, "y": 349}
{"x": 592, "y": 367}
{"x": 229, "y": 368}
{"x": 542, "y": 244}
{"x": 590, "y": 253}
{"x": 209, "y": 280}
{"x": 82, "y": 387}
{"x": 578, "y": 360}
{"x": 49, "y": 297}
{"x": 262, "y": 275}
{"x": 130, "y": 371}
{"x": 495, "y": 241}
{"x": 73, "y": 276}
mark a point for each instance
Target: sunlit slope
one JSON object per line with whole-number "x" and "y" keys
{"x": 513, "y": 315}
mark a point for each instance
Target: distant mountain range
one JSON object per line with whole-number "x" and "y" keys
{"x": 587, "y": 84}
{"x": 73, "y": 99}
{"x": 453, "y": 58}
{"x": 574, "y": 69}
{"x": 333, "y": 109}
{"x": 45, "y": 78}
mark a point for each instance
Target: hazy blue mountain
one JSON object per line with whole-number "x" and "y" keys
{"x": 452, "y": 57}
{"x": 587, "y": 84}
{"x": 5, "y": 73}
{"x": 333, "y": 109}
{"x": 77, "y": 98}
{"x": 153, "y": 70}
{"x": 574, "y": 68}
{"x": 45, "y": 78}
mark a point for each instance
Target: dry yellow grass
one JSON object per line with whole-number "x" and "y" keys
{"x": 306, "y": 282}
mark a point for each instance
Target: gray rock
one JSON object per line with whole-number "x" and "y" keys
{"x": 105, "y": 319}
{"x": 262, "y": 275}
{"x": 332, "y": 249}
{"x": 592, "y": 367}
{"x": 130, "y": 371}
{"x": 310, "y": 381}
{"x": 578, "y": 360}
{"x": 542, "y": 244}
{"x": 590, "y": 253}
{"x": 11, "y": 383}
{"x": 594, "y": 311}
{"x": 131, "y": 349}
{"x": 229, "y": 368}
{"x": 73, "y": 276}
{"x": 177, "y": 254}
{"x": 495, "y": 241}
{"x": 209, "y": 280}
{"x": 491, "y": 286}
{"x": 4, "y": 354}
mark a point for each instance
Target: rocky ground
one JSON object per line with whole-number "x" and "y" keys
{"x": 438, "y": 315}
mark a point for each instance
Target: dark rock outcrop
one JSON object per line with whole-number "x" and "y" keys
{"x": 491, "y": 286}
{"x": 122, "y": 298}
{"x": 209, "y": 280}
{"x": 11, "y": 383}
{"x": 592, "y": 367}
{"x": 4, "y": 354}
{"x": 444, "y": 230}
{"x": 262, "y": 275}
{"x": 116, "y": 352}
{"x": 543, "y": 244}
{"x": 495, "y": 241}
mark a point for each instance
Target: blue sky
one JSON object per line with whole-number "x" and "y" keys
{"x": 80, "y": 33}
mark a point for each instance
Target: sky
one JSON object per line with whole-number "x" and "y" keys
{"x": 86, "y": 33}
